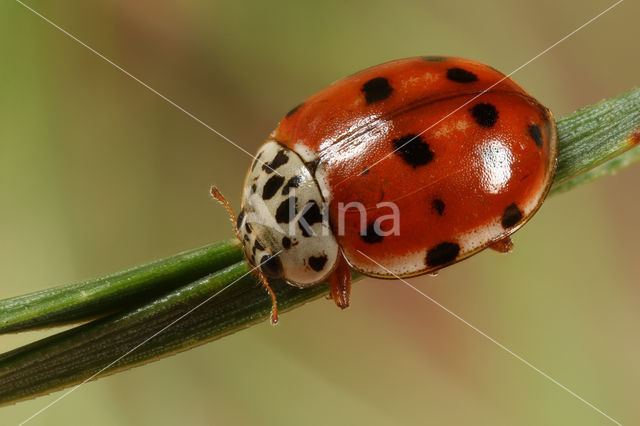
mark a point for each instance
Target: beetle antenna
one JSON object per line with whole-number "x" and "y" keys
{"x": 215, "y": 193}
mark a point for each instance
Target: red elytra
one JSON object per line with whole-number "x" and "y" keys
{"x": 466, "y": 168}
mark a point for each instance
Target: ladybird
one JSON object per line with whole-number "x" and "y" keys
{"x": 396, "y": 171}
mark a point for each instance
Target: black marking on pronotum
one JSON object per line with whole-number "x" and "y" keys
{"x": 240, "y": 219}
{"x": 287, "y": 210}
{"x": 286, "y": 242}
{"x": 413, "y": 150}
{"x": 461, "y": 76}
{"x": 306, "y": 231}
{"x": 434, "y": 58}
{"x": 376, "y": 89}
{"x": 280, "y": 159}
{"x": 438, "y": 206}
{"x": 317, "y": 262}
{"x": 272, "y": 186}
{"x": 293, "y": 110}
{"x": 271, "y": 266}
{"x": 247, "y": 227}
{"x": 312, "y": 166}
{"x": 535, "y": 133}
{"x": 371, "y": 236}
{"x": 511, "y": 216}
{"x": 294, "y": 182}
{"x": 485, "y": 115}
{"x": 310, "y": 216}
{"x": 442, "y": 253}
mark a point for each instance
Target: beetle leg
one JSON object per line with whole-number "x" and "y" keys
{"x": 340, "y": 281}
{"x": 504, "y": 245}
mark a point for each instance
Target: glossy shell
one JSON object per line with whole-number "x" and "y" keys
{"x": 464, "y": 168}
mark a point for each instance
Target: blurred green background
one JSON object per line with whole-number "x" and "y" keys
{"x": 97, "y": 174}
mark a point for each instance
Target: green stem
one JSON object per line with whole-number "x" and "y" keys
{"x": 114, "y": 292}
{"x": 209, "y": 308}
{"x": 592, "y": 139}
{"x": 152, "y": 311}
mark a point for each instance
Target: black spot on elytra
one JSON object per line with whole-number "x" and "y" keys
{"x": 535, "y": 133}
{"x": 246, "y": 238}
{"x": 258, "y": 245}
{"x": 239, "y": 219}
{"x": 442, "y": 253}
{"x": 271, "y": 266}
{"x": 485, "y": 115}
{"x": 376, "y": 89}
{"x": 461, "y": 76}
{"x": 438, "y": 206}
{"x": 371, "y": 236}
{"x": 310, "y": 216}
{"x": 293, "y": 110}
{"x": 253, "y": 188}
{"x": 294, "y": 182}
{"x": 247, "y": 227}
{"x": 317, "y": 262}
{"x": 434, "y": 58}
{"x": 280, "y": 159}
{"x": 287, "y": 210}
{"x": 272, "y": 186}
{"x": 413, "y": 150}
{"x": 511, "y": 216}
{"x": 286, "y": 242}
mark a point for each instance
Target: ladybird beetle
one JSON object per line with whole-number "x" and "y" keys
{"x": 398, "y": 170}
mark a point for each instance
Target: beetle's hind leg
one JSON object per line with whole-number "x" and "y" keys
{"x": 505, "y": 245}
{"x": 340, "y": 282}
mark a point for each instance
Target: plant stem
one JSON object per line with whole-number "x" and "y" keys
{"x": 592, "y": 139}
{"x": 114, "y": 292}
{"x": 173, "y": 323}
